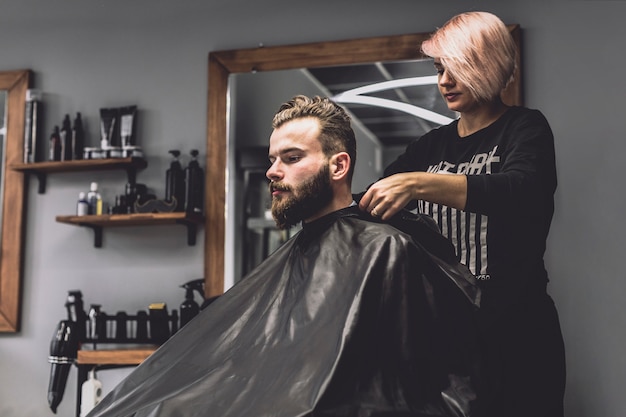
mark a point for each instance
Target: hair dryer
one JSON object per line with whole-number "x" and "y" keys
{"x": 64, "y": 347}
{"x": 63, "y": 351}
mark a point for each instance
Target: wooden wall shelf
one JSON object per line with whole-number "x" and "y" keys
{"x": 98, "y": 222}
{"x": 106, "y": 359}
{"x": 42, "y": 169}
{"x": 114, "y": 357}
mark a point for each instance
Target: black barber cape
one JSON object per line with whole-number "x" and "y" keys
{"x": 350, "y": 317}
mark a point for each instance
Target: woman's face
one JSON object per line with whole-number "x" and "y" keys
{"x": 457, "y": 96}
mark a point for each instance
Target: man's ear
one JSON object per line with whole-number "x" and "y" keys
{"x": 339, "y": 165}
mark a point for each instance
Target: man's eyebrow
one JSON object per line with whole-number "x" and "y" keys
{"x": 286, "y": 151}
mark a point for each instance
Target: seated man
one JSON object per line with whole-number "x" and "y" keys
{"x": 350, "y": 317}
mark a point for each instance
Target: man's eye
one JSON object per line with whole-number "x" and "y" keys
{"x": 294, "y": 158}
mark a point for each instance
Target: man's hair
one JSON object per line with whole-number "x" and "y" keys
{"x": 477, "y": 50}
{"x": 336, "y": 134}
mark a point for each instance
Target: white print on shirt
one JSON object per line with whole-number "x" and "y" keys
{"x": 467, "y": 231}
{"x": 480, "y": 163}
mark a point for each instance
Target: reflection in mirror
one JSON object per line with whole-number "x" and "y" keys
{"x": 239, "y": 123}
{"x": 14, "y": 85}
{"x": 390, "y": 103}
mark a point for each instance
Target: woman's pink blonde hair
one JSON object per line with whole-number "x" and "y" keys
{"x": 477, "y": 50}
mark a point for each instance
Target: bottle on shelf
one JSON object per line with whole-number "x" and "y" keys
{"x": 175, "y": 182}
{"x": 94, "y": 200}
{"x": 78, "y": 138}
{"x": 66, "y": 139}
{"x": 82, "y": 207}
{"x": 194, "y": 185}
{"x": 91, "y": 393}
{"x": 55, "y": 145}
{"x": 189, "y": 307}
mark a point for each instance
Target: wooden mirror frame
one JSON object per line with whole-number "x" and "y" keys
{"x": 13, "y": 200}
{"x": 224, "y": 63}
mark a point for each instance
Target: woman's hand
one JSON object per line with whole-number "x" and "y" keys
{"x": 391, "y": 194}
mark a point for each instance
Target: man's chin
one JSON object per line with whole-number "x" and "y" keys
{"x": 283, "y": 223}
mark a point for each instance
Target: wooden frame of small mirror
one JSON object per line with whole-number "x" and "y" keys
{"x": 224, "y": 63}
{"x": 15, "y": 83}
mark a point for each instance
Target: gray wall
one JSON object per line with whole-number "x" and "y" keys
{"x": 97, "y": 53}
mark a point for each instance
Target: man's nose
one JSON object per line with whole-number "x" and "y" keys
{"x": 274, "y": 172}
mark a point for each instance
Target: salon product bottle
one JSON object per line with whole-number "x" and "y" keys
{"x": 93, "y": 199}
{"x": 194, "y": 185}
{"x": 82, "y": 206}
{"x": 189, "y": 308}
{"x": 99, "y": 205}
{"x": 174, "y": 321}
{"x": 159, "y": 322}
{"x": 91, "y": 393}
{"x": 142, "y": 326}
{"x": 66, "y": 139}
{"x": 55, "y": 145}
{"x": 175, "y": 182}
{"x": 78, "y": 137}
{"x": 121, "y": 320}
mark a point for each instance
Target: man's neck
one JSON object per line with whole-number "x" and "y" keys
{"x": 337, "y": 203}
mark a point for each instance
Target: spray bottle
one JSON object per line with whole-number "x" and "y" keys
{"x": 190, "y": 308}
{"x": 175, "y": 182}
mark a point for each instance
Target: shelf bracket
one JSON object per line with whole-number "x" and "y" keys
{"x": 41, "y": 177}
{"x": 191, "y": 232}
{"x": 97, "y": 231}
{"x": 131, "y": 173}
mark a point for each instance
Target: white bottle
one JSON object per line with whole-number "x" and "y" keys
{"x": 92, "y": 199}
{"x": 82, "y": 207}
{"x": 91, "y": 394}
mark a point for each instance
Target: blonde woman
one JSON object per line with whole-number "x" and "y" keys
{"x": 488, "y": 179}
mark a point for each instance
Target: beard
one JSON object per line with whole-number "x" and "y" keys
{"x": 304, "y": 200}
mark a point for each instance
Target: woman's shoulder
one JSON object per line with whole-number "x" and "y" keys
{"x": 441, "y": 131}
{"x": 435, "y": 137}
{"x": 525, "y": 114}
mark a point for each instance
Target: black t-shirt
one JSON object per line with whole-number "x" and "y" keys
{"x": 511, "y": 179}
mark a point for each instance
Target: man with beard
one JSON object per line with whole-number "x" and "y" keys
{"x": 351, "y": 317}
{"x": 305, "y": 149}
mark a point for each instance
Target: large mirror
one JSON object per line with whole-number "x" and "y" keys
{"x": 13, "y": 86}
{"x": 319, "y": 59}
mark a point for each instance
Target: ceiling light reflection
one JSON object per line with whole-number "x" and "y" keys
{"x": 356, "y": 96}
